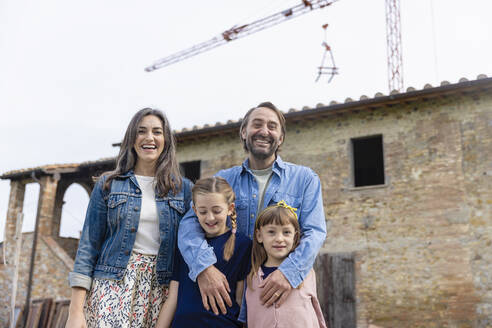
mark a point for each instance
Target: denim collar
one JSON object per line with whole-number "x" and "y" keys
{"x": 126, "y": 174}
{"x": 130, "y": 174}
{"x": 277, "y": 167}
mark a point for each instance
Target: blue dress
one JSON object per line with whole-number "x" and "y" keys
{"x": 190, "y": 311}
{"x": 267, "y": 270}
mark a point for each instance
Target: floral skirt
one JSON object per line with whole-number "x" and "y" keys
{"x": 134, "y": 301}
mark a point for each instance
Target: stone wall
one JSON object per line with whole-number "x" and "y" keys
{"x": 476, "y": 140}
{"x": 49, "y": 280}
{"x": 68, "y": 244}
{"x": 422, "y": 240}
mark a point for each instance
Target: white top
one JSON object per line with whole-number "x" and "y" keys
{"x": 263, "y": 179}
{"x": 147, "y": 240}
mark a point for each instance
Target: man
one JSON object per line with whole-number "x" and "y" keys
{"x": 263, "y": 179}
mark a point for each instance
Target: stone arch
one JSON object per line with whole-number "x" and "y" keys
{"x": 69, "y": 244}
{"x": 74, "y": 206}
{"x": 63, "y": 186}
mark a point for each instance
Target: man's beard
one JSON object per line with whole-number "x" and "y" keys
{"x": 262, "y": 153}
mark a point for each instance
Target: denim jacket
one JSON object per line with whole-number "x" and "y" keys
{"x": 110, "y": 228}
{"x": 298, "y": 185}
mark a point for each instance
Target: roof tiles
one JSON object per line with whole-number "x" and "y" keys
{"x": 219, "y": 125}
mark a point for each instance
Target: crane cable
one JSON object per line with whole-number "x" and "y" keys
{"x": 323, "y": 69}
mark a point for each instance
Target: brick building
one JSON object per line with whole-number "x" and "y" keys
{"x": 407, "y": 194}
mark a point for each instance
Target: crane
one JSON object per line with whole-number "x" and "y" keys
{"x": 237, "y": 32}
{"x": 393, "y": 45}
{"x": 393, "y": 38}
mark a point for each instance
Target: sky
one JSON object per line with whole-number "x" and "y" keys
{"x": 72, "y": 73}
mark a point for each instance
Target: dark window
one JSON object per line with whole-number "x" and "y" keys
{"x": 190, "y": 170}
{"x": 368, "y": 161}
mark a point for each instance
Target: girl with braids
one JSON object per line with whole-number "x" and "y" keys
{"x": 213, "y": 203}
{"x": 126, "y": 251}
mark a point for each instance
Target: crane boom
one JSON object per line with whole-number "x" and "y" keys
{"x": 237, "y": 32}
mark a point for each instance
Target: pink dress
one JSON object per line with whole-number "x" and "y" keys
{"x": 301, "y": 309}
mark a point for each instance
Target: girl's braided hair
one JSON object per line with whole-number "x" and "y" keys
{"x": 221, "y": 186}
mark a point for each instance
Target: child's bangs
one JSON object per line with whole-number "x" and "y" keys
{"x": 277, "y": 216}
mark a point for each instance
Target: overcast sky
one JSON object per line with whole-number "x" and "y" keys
{"x": 72, "y": 73}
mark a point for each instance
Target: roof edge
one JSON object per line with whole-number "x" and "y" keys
{"x": 481, "y": 83}
{"x": 334, "y": 107}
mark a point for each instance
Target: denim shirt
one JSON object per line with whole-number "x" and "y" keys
{"x": 110, "y": 229}
{"x": 298, "y": 185}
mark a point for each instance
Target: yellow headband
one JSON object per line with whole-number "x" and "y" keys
{"x": 283, "y": 204}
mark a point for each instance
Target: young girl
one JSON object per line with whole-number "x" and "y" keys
{"x": 213, "y": 200}
{"x": 277, "y": 234}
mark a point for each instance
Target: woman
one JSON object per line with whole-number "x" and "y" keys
{"x": 126, "y": 251}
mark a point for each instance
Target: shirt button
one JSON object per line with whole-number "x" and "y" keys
{"x": 127, "y": 252}
{"x": 252, "y": 215}
{"x": 133, "y": 229}
{"x": 137, "y": 191}
{"x": 136, "y": 208}
{"x": 254, "y": 196}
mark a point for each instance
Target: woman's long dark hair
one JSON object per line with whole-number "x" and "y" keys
{"x": 167, "y": 173}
